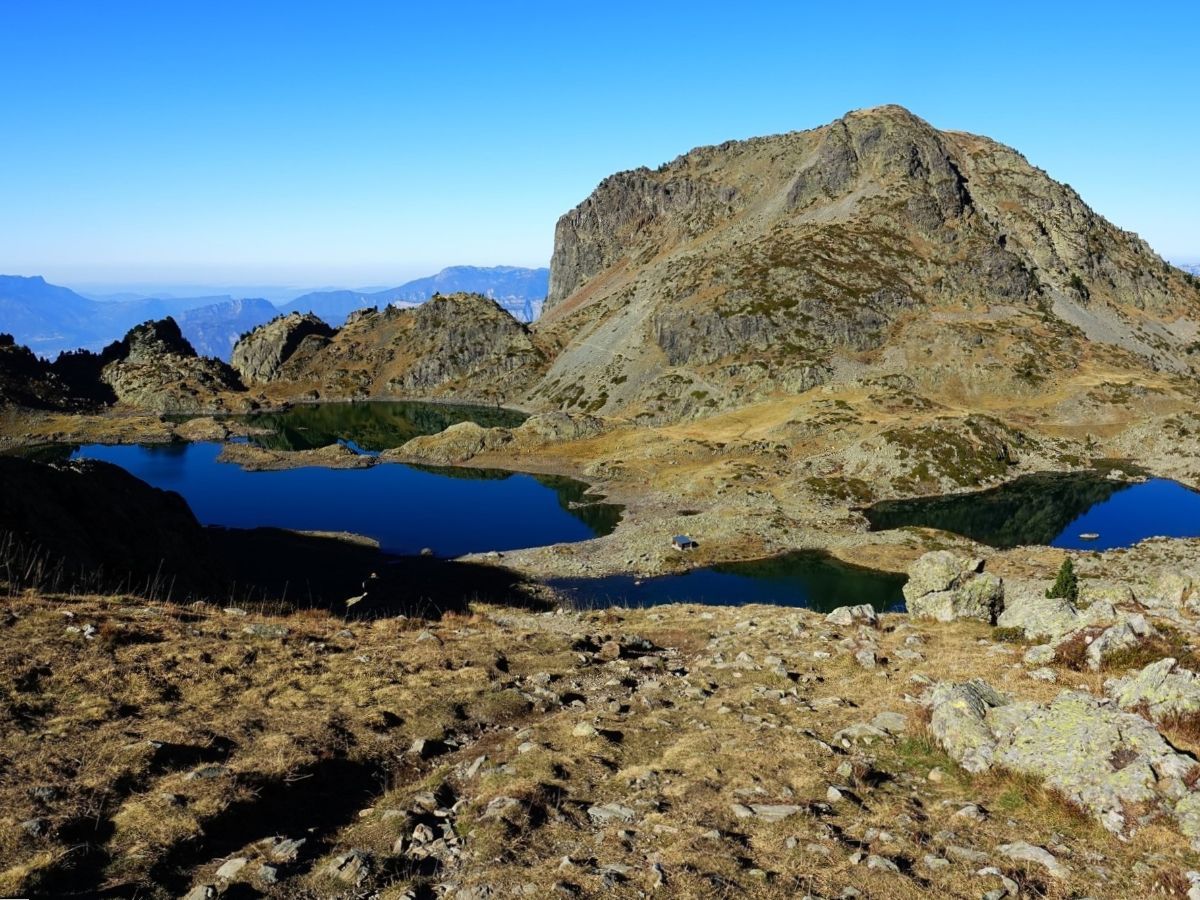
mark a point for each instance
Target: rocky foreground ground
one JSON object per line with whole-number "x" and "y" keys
{"x": 683, "y": 751}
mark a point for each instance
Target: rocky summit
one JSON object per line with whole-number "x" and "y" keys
{"x": 873, "y": 246}
{"x": 461, "y": 346}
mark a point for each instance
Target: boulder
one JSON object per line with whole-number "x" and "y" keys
{"x": 1161, "y": 689}
{"x": 847, "y": 616}
{"x": 958, "y": 722}
{"x": 1110, "y": 763}
{"x": 1027, "y": 607}
{"x": 946, "y": 587}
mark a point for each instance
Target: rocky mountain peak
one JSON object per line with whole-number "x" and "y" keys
{"x": 768, "y": 264}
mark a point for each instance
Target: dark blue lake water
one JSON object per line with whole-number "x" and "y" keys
{"x": 1055, "y": 510}
{"x": 807, "y": 578}
{"x": 404, "y": 508}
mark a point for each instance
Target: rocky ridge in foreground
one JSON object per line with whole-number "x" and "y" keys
{"x": 690, "y": 751}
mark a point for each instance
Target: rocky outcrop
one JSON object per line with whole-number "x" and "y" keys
{"x": 765, "y": 265}
{"x": 155, "y": 368}
{"x": 456, "y": 444}
{"x": 462, "y": 346}
{"x": 1161, "y": 690}
{"x": 1113, "y": 764}
{"x": 946, "y": 587}
{"x": 259, "y": 355}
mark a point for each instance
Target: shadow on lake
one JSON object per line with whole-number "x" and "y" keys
{"x": 809, "y": 579}
{"x": 370, "y": 425}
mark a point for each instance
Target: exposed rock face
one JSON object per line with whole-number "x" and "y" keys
{"x": 1108, "y": 762}
{"x": 945, "y": 587}
{"x": 258, "y": 356}
{"x": 154, "y": 368}
{"x": 1161, "y": 689}
{"x": 461, "y": 346}
{"x": 760, "y": 266}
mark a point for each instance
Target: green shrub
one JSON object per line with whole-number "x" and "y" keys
{"x": 1066, "y": 585}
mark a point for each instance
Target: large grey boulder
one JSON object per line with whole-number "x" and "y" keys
{"x": 958, "y": 723}
{"x": 1027, "y": 607}
{"x": 259, "y": 355}
{"x": 1161, "y": 689}
{"x": 946, "y": 587}
{"x": 1114, "y": 764}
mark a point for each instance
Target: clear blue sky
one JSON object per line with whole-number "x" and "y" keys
{"x": 362, "y": 143}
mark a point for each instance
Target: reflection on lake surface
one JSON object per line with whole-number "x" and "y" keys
{"x": 403, "y": 507}
{"x": 805, "y": 578}
{"x": 1054, "y": 510}
{"x": 372, "y": 425}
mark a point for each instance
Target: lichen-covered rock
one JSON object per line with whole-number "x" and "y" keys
{"x": 958, "y": 722}
{"x": 1161, "y": 689}
{"x": 1039, "y": 616}
{"x": 1109, "y": 762}
{"x": 259, "y": 355}
{"x": 945, "y": 587}
{"x": 1121, "y": 636}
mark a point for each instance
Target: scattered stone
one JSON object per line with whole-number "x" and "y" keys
{"x": 1040, "y": 655}
{"x": 1025, "y": 852}
{"x": 608, "y": 813}
{"x": 37, "y": 827}
{"x": 352, "y": 867}
{"x": 231, "y": 868}
{"x": 847, "y": 616}
{"x": 266, "y": 630}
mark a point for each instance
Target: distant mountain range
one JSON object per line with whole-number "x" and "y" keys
{"x": 48, "y": 318}
{"x": 520, "y": 291}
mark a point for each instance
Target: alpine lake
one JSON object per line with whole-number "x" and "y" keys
{"x": 458, "y": 510}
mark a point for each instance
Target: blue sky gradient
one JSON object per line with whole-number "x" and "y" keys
{"x": 364, "y": 143}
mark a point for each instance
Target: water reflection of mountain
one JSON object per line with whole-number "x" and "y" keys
{"x": 370, "y": 425}
{"x": 1033, "y": 509}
